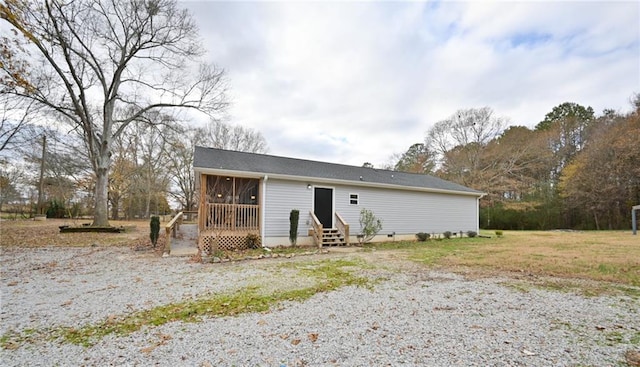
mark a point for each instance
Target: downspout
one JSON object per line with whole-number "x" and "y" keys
{"x": 478, "y": 213}
{"x": 263, "y": 208}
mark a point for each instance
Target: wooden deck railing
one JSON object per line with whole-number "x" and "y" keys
{"x": 231, "y": 217}
{"x": 317, "y": 230}
{"x": 189, "y": 215}
{"x": 171, "y": 229}
{"x": 343, "y": 228}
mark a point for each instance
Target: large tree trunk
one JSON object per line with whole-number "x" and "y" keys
{"x": 101, "y": 212}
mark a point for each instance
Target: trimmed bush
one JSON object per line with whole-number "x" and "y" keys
{"x": 56, "y": 209}
{"x": 472, "y": 233}
{"x": 421, "y": 236}
{"x": 293, "y": 226}
{"x": 447, "y": 234}
{"x": 154, "y": 225}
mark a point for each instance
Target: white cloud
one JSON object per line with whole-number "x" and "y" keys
{"x": 357, "y": 81}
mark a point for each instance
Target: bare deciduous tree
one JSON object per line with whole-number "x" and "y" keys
{"x": 102, "y": 64}
{"x": 461, "y": 140}
{"x": 181, "y": 146}
{"x": 124, "y": 171}
{"x": 467, "y": 126}
{"x": 152, "y": 157}
{"x": 14, "y": 121}
{"x": 234, "y": 137}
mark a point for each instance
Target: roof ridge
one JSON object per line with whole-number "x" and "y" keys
{"x": 316, "y": 161}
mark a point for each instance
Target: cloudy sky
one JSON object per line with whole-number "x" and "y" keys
{"x": 354, "y": 82}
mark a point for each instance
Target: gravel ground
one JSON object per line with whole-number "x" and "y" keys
{"x": 413, "y": 317}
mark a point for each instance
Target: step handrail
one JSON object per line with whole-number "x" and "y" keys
{"x": 317, "y": 229}
{"x": 343, "y": 227}
{"x": 171, "y": 230}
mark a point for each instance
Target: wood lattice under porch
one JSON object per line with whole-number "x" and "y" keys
{"x": 227, "y": 240}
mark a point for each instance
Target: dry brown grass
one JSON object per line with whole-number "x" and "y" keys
{"x": 29, "y": 233}
{"x": 598, "y": 255}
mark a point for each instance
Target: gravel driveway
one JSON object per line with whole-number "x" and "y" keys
{"x": 412, "y": 316}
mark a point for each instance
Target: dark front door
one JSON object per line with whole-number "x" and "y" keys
{"x": 323, "y": 206}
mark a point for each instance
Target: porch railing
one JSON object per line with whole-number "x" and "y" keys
{"x": 231, "y": 217}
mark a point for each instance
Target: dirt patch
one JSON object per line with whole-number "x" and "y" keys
{"x": 29, "y": 233}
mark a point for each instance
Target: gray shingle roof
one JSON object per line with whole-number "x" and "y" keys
{"x": 212, "y": 158}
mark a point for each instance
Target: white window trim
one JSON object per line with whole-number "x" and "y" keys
{"x": 357, "y": 198}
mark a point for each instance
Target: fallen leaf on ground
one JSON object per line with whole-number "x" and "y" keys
{"x": 149, "y": 349}
{"x": 633, "y": 358}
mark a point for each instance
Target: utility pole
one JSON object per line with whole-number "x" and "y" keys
{"x": 41, "y": 188}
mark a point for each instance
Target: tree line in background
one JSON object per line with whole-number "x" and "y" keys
{"x": 152, "y": 166}
{"x": 573, "y": 170}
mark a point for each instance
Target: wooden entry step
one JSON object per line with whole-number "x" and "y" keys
{"x": 332, "y": 237}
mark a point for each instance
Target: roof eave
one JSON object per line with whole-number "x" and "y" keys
{"x": 309, "y": 179}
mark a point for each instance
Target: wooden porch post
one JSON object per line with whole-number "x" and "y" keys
{"x": 233, "y": 207}
{"x": 202, "y": 209}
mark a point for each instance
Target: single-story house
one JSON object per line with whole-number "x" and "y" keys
{"x": 248, "y": 194}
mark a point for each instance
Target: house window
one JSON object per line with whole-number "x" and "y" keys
{"x": 353, "y": 199}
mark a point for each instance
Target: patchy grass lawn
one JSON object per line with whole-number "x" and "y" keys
{"x": 30, "y": 233}
{"x": 325, "y": 276}
{"x": 612, "y": 256}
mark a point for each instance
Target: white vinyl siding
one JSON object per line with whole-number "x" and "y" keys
{"x": 409, "y": 212}
{"x": 402, "y": 211}
{"x": 281, "y": 197}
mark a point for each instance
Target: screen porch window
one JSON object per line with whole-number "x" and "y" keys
{"x": 232, "y": 190}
